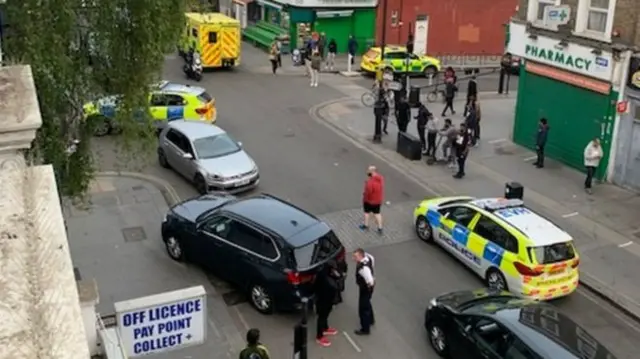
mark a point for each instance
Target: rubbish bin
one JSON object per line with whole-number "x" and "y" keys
{"x": 414, "y": 96}
{"x": 513, "y": 190}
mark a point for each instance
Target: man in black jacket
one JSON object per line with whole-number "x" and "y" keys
{"x": 327, "y": 291}
{"x": 462, "y": 149}
{"x": 449, "y": 93}
{"x": 403, "y": 114}
{"x": 472, "y": 93}
{"x": 541, "y": 141}
{"x": 422, "y": 119}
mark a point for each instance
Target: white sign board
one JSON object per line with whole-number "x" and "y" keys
{"x": 421, "y": 34}
{"x": 162, "y": 322}
{"x": 556, "y": 15}
{"x": 334, "y": 4}
{"x": 572, "y": 57}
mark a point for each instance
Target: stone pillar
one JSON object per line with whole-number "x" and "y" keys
{"x": 39, "y": 302}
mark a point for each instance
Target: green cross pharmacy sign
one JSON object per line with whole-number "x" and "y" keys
{"x": 558, "y": 57}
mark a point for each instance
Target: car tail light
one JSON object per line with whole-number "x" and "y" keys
{"x": 576, "y": 263}
{"x": 341, "y": 254}
{"x": 297, "y": 278}
{"x": 202, "y": 110}
{"x": 526, "y": 271}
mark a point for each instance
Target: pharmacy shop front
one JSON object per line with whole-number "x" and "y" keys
{"x": 570, "y": 86}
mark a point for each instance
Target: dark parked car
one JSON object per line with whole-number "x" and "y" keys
{"x": 497, "y": 325}
{"x": 268, "y": 248}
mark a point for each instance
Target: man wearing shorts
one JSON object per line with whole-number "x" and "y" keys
{"x": 372, "y": 198}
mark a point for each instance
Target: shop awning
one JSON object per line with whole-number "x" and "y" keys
{"x": 328, "y": 14}
{"x": 269, "y": 4}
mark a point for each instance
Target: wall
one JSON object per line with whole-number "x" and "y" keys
{"x": 455, "y": 26}
{"x": 626, "y": 171}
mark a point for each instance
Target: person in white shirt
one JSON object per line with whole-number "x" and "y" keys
{"x": 592, "y": 156}
{"x": 366, "y": 282}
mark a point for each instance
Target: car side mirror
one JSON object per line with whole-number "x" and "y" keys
{"x": 240, "y": 144}
{"x": 187, "y": 156}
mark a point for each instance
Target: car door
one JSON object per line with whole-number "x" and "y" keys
{"x": 256, "y": 258}
{"x": 395, "y": 60}
{"x": 462, "y": 343}
{"x": 189, "y": 166}
{"x": 171, "y": 147}
{"x": 158, "y": 106}
{"x": 489, "y": 339}
{"x": 415, "y": 64}
{"x": 175, "y": 107}
{"x": 215, "y": 251}
{"x": 453, "y": 233}
{"x": 501, "y": 247}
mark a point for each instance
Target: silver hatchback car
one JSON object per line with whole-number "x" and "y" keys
{"x": 207, "y": 156}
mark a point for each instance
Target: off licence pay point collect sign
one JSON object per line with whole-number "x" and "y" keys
{"x": 162, "y": 322}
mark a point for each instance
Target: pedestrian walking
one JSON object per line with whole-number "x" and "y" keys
{"x": 462, "y": 150}
{"x": 450, "y": 134}
{"x": 316, "y": 64}
{"x": 254, "y": 349}
{"x": 541, "y": 141}
{"x": 471, "y": 121}
{"x": 366, "y": 282}
{"x": 410, "y": 43}
{"x": 449, "y": 93}
{"x": 476, "y": 130}
{"x": 372, "y": 198}
{"x": 432, "y": 135}
{"x": 326, "y": 287}
{"x": 322, "y": 45}
{"x": 592, "y": 155}
{"x": 382, "y": 109}
{"x": 403, "y": 114}
{"x": 273, "y": 58}
{"x": 279, "y": 53}
{"x": 352, "y": 48}
{"x": 422, "y": 117}
{"x": 472, "y": 93}
{"x": 332, "y": 49}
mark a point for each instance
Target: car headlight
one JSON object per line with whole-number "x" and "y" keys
{"x": 433, "y": 303}
{"x": 216, "y": 177}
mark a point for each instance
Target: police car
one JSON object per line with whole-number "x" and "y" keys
{"x": 507, "y": 244}
{"x": 167, "y": 102}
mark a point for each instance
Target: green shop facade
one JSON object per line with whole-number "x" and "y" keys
{"x": 336, "y": 18}
{"x": 571, "y": 86}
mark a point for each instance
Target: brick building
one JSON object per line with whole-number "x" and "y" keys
{"x": 577, "y": 70}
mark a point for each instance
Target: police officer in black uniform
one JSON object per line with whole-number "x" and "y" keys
{"x": 365, "y": 282}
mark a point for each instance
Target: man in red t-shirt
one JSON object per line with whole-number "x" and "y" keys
{"x": 372, "y": 198}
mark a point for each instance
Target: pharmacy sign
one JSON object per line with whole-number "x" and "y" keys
{"x": 559, "y": 57}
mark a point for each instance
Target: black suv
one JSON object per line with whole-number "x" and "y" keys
{"x": 268, "y": 248}
{"x": 497, "y": 325}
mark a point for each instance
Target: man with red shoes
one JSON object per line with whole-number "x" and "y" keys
{"x": 327, "y": 289}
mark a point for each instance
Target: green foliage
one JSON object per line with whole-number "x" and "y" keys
{"x": 81, "y": 50}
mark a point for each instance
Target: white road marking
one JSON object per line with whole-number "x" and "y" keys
{"x": 499, "y": 140}
{"x": 606, "y": 307}
{"x": 352, "y": 342}
{"x": 241, "y": 317}
{"x": 625, "y": 244}
{"x": 530, "y": 158}
{"x": 568, "y": 215}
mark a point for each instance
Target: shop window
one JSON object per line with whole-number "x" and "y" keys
{"x": 594, "y": 18}
{"x": 213, "y": 37}
{"x": 535, "y": 11}
{"x": 597, "y": 15}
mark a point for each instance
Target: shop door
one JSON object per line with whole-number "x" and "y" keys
{"x": 335, "y": 28}
{"x": 632, "y": 170}
{"x": 575, "y": 116}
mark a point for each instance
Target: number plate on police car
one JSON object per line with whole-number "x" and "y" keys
{"x": 243, "y": 182}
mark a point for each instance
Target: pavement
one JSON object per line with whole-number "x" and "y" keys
{"x": 312, "y": 148}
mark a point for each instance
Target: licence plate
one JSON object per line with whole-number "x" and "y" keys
{"x": 243, "y": 182}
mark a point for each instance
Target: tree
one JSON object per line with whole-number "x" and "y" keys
{"x": 82, "y": 50}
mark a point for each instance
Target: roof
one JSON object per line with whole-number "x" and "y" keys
{"x": 211, "y": 18}
{"x": 195, "y": 129}
{"x": 167, "y": 86}
{"x": 278, "y": 216}
{"x": 390, "y": 48}
{"x": 538, "y": 229}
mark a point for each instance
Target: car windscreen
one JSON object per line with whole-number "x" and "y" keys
{"x": 205, "y": 97}
{"x": 215, "y": 146}
{"x": 317, "y": 251}
{"x": 554, "y": 253}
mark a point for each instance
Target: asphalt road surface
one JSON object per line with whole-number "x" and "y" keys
{"x": 304, "y": 162}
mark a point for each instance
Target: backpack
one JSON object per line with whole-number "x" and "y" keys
{"x": 254, "y": 352}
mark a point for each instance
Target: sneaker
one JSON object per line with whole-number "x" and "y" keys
{"x": 331, "y": 331}
{"x": 323, "y": 342}
{"x": 363, "y": 227}
{"x": 380, "y": 231}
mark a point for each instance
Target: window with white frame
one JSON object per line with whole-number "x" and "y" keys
{"x": 535, "y": 11}
{"x": 597, "y": 15}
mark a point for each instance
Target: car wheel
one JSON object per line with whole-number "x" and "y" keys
{"x": 437, "y": 339}
{"x": 495, "y": 280}
{"x": 174, "y": 249}
{"x": 430, "y": 72}
{"x": 261, "y": 299}
{"x": 102, "y": 125}
{"x": 162, "y": 159}
{"x": 201, "y": 184}
{"x": 424, "y": 229}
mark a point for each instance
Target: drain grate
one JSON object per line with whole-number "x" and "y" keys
{"x": 134, "y": 234}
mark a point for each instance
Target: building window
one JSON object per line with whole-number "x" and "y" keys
{"x": 535, "y": 11}
{"x": 594, "y": 19}
{"x": 598, "y": 13}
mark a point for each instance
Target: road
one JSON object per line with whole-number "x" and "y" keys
{"x": 310, "y": 165}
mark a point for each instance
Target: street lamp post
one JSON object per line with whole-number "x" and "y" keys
{"x": 300, "y": 332}
{"x": 377, "y": 136}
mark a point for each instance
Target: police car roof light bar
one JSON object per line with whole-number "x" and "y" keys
{"x": 498, "y": 203}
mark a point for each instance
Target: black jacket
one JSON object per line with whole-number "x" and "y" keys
{"x": 403, "y": 111}
{"x": 472, "y": 88}
{"x": 541, "y": 138}
{"x": 333, "y": 47}
{"x": 326, "y": 287}
{"x": 423, "y": 116}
